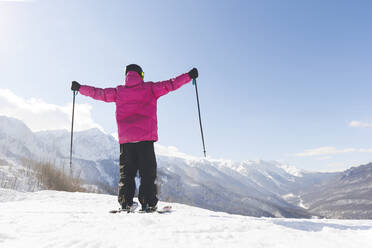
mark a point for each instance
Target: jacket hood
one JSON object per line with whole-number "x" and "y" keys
{"x": 132, "y": 79}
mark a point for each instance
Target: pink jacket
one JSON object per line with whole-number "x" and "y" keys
{"x": 136, "y": 103}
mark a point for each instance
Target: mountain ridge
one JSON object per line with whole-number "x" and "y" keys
{"x": 256, "y": 188}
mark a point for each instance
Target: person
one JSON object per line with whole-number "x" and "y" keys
{"x": 136, "y": 108}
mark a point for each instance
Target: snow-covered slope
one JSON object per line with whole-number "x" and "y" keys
{"x": 61, "y": 219}
{"x": 18, "y": 177}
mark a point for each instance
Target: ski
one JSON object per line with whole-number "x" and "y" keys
{"x": 162, "y": 210}
{"x": 165, "y": 209}
{"x": 132, "y": 209}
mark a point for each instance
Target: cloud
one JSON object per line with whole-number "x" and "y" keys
{"x": 39, "y": 115}
{"x": 324, "y": 158}
{"x": 329, "y": 150}
{"x": 171, "y": 151}
{"x": 360, "y": 124}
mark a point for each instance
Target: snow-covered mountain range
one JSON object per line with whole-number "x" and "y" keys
{"x": 255, "y": 188}
{"x": 348, "y": 195}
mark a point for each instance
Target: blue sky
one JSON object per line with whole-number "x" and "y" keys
{"x": 279, "y": 80}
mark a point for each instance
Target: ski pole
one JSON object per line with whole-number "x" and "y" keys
{"x": 72, "y": 127}
{"x": 200, "y": 122}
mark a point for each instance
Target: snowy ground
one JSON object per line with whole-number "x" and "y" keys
{"x": 61, "y": 219}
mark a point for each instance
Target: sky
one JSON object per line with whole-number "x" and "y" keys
{"x": 278, "y": 80}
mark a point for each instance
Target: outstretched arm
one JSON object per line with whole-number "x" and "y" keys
{"x": 106, "y": 95}
{"x": 162, "y": 88}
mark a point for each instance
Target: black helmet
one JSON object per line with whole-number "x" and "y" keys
{"x": 134, "y": 67}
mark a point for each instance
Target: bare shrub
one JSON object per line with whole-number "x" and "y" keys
{"x": 50, "y": 177}
{"x": 15, "y": 183}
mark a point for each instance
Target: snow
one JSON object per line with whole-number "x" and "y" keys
{"x": 291, "y": 170}
{"x": 301, "y": 204}
{"x": 61, "y": 219}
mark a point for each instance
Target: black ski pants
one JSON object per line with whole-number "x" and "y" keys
{"x": 135, "y": 157}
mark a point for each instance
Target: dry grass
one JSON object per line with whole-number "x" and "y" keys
{"x": 50, "y": 177}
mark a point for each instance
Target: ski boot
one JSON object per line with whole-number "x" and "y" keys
{"x": 148, "y": 209}
{"x": 129, "y": 208}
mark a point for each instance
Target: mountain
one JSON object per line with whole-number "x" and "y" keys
{"x": 255, "y": 188}
{"x": 95, "y": 153}
{"x": 62, "y": 219}
{"x": 213, "y": 185}
{"x": 347, "y": 196}
{"x": 250, "y": 188}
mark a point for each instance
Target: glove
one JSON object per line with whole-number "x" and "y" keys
{"x": 75, "y": 86}
{"x": 193, "y": 73}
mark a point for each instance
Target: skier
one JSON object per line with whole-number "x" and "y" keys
{"x": 136, "y": 104}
